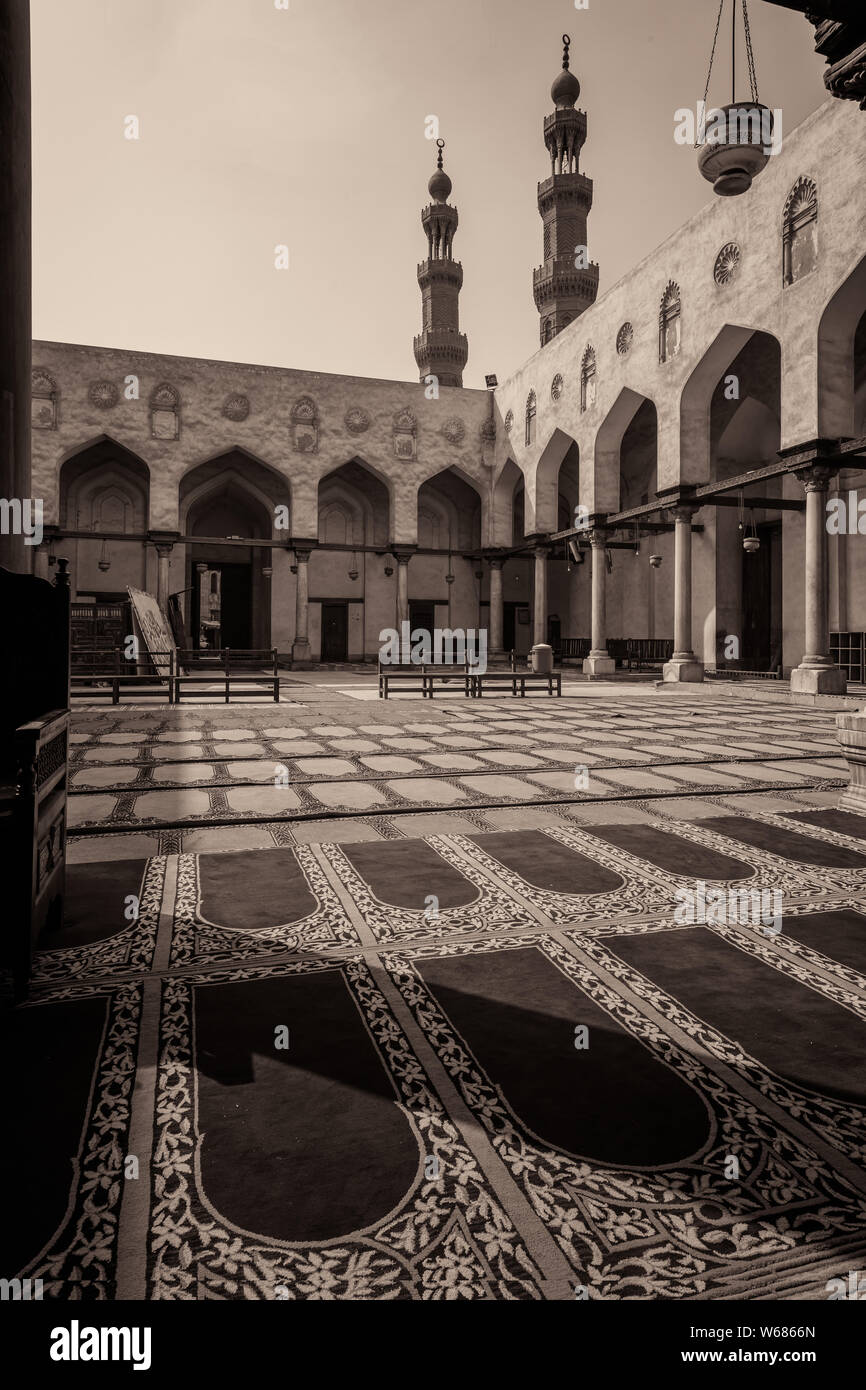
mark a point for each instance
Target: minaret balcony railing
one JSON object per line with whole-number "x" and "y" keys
{"x": 565, "y": 119}
{"x": 565, "y": 188}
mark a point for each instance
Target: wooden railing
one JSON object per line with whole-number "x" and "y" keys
{"x": 173, "y": 675}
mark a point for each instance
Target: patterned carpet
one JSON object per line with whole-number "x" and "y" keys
{"x": 470, "y": 1053}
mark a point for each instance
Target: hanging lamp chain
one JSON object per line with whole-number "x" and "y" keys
{"x": 750, "y": 56}
{"x": 712, "y": 56}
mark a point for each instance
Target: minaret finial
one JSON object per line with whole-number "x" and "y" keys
{"x": 440, "y": 143}
{"x": 566, "y": 45}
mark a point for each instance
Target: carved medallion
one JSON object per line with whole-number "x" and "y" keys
{"x": 727, "y": 262}
{"x": 454, "y": 430}
{"x": 556, "y": 387}
{"x": 103, "y": 394}
{"x": 236, "y": 407}
{"x": 356, "y": 420}
{"x": 624, "y": 339}
{"x": 509, "y": 422}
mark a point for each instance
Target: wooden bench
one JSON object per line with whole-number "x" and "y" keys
{"x": 236, "y": 669}
{"x": 551, "y": 681}
{"x": 424, "y": 677}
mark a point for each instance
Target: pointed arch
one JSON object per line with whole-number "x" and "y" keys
{"x": 249, "y": 474}
{"x": 93, "y": 472}
{"x": 452, "y": 503}
{"x": 500, "y": 531}
{"x": 841, "y": 366}
{"x": 542, "y": 496}
{"x": 355, "y": 498}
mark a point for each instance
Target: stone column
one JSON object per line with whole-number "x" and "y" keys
{"x": 402, "y": 558}
{"x": 817, "y": 674}
{"x": 163, "y": 553}
{"x": 539, "y": 624}
{"x": 598, "y": 663}
{"x": 494, "y": 636}
{"x": 684, "y": 665}
{"x": 301, "y": 646}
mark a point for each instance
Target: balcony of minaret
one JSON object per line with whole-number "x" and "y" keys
{"x": 444, "y": 344}
{"x": 563, "y": 190}
{"x": 564, "y": 135}
{"x": 558, "y": 278}
{"x": 441, "y": 272}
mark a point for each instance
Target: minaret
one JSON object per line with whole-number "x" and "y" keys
{"x": 567, "y": 282}
{"x": 441, "y": 349}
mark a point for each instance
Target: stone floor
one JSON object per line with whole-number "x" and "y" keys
{"x": 432, "y": 900}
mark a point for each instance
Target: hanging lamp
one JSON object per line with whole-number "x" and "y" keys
{"x": 104, "y": 561}
{"x": 751, "y": 539}
{"x": 732, "y": 157}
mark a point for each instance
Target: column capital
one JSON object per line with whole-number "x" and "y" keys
{"x": 403, "y": 554}
{"x": 495, "y": 558}
{"x": 682, "y": 511}
{"x": 303, "y": 550}
{"x": 163, "y": 539}
{"x": 816, "y": 477}
{"x": 597, "y": 537}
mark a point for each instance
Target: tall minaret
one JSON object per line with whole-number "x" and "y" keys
{"x": 441, "y": 349}
{"x": 567, "y": 282}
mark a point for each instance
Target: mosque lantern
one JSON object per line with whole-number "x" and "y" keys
{"x": 736, "y": 138}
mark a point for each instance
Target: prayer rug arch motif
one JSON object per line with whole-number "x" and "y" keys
{"x": 450, "y": 1237}
{"x": 678, "y": 1232}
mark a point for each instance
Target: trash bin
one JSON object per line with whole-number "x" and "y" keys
{"x": 541, "y": 658}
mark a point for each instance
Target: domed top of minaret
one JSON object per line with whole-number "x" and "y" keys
{"x": 439, "y": 186}
{"x": 566, "y": 88}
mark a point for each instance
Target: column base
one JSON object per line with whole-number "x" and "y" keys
{"x": 598, "y": 667}
{"x": 301, "y": 655}
{"x": 818, "y": 680}
{"x": 683, "y": 668}
{"x": 851, "y": 733}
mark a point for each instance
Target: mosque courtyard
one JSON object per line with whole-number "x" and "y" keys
{"x": 536, "y": 999}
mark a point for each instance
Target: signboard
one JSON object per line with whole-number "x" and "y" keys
{"x": 152, "y": 629}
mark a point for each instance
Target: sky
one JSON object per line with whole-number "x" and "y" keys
{"x": 304, "y": 127}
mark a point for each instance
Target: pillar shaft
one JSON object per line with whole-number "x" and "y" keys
{"x": 599, "y": 583}
{"x": 683, "y": 584}
{"x": 495, "y": 638}
{"x": 539, "y": 632}
{"x": 402, "y": 590}
{"x": 683, "y": 665}
{"x": 163, "y": 553}
{"x": 598, "y": 663}
{"x": 301, "y": 644}
{"x": 817, "y": 674}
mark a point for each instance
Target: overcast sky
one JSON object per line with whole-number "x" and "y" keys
{"x": 306, "y": 127}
